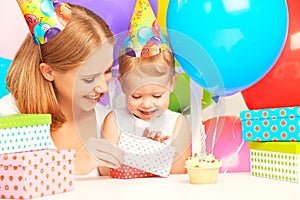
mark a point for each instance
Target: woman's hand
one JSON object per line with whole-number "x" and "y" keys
{"x": 156, "y": 136}
{"x": 106, "y": 153}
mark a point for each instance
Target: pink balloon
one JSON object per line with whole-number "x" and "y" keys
{"x": 13, "y": 29}
{"x": 228, "y": 145}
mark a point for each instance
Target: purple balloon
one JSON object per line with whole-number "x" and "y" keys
{"x": 116, "y": 13}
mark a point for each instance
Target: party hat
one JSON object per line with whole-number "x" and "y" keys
{"x": 45, "y": 18}
{"x": 145, "y": 37}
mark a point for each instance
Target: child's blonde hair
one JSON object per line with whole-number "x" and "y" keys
{"x": 33, "y": 93}
{"x": 155, "y": 65}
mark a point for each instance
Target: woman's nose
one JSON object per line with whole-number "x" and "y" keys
{"x": 101, "y": 85}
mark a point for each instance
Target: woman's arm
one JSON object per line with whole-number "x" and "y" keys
{"x": 109, "y": 132}
{"x": 181, "y": 141}
{"x": 110, "y": 128}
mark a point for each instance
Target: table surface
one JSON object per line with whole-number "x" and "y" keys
{"x": 232, "y": 186}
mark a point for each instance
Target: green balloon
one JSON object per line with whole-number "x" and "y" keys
{"x": 206, "y": 100}
{"x": 180, "y": 97}
{"x": 176, "y": 62}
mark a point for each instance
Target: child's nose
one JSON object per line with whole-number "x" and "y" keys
{"x": 147, "y": 102}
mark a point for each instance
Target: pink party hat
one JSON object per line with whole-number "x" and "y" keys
{"x": 145, "y": 37}
{"x": 45, "y": 18}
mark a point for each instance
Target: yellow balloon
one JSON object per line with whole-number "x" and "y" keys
{"x": 162, "y": 13}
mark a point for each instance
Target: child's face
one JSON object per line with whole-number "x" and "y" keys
{"x": 151, "y": 98}
{"x": 149, "y": 101}
{"x": 83, "y": 86}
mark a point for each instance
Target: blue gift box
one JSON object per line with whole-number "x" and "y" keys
{"x": 273, "y": 124}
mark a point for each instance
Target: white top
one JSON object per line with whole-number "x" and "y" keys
{"x": 8, "y": 106}
{"x": 101, "y": 112}
{"x": 130, "y": 124}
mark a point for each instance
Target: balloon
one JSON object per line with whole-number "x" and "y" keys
{"x": 281, "y": 86}
{"x": 180, "y": 97}
{"x": 4, "y": 65}
{"x": 206, "y": 100}
{"x": 229, "y": 146}
{"x": 227, "y": 46}
{"x": 116, "y": 13}
{"x": 13, "y": 29}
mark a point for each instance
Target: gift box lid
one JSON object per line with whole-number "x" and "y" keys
{"x": 18, "y": 120}
{"x": 271, "y": 113}
{"x": 35, "y": 157}
{"x": 282, "y": 147}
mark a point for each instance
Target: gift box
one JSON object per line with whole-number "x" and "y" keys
{"x": 39, "y": 173}
{"x": 143, "y": 158}
{"x": 274, "y": 124}
{"x": 277, "y": 160}
{"x": 25, "y": 132}
{"x": 127, "y": 172}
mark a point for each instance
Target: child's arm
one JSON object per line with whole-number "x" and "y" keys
{"x": 109, "y": 132}
{"x": 181, "y": 141}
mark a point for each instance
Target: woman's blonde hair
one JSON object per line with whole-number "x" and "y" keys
{"x": 154, "y": 65}
{"x": 33, "y": 93}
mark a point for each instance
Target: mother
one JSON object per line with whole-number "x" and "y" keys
{"x": 66, "y": 77}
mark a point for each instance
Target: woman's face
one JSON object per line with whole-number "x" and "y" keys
{"x": 83, "y": 86}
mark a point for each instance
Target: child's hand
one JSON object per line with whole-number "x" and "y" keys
{"x": 106, "y": 153}
{"x": 156, "y": 136}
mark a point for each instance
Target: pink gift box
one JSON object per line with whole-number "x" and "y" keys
{"x": 39, "y": 173}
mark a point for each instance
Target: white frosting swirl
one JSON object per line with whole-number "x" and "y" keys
{"x": 203, "y": 161}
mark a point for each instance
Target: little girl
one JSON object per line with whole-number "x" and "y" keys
{"x": 147, "y": 77}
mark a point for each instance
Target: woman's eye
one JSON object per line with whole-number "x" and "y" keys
{"x": 157, "y": 96}
{"x": 89, "y": 80}
{"x": 108, "y": 71}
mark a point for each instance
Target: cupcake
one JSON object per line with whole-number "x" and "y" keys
{"x": 203, "y": 169}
